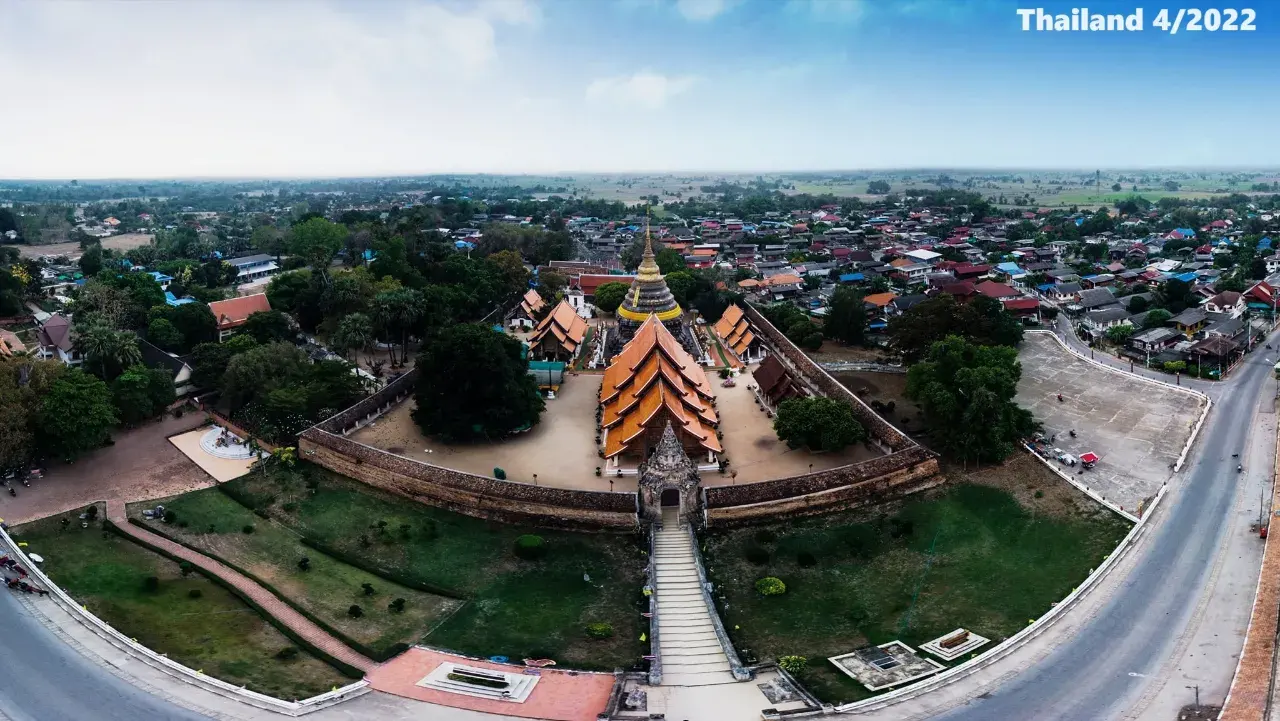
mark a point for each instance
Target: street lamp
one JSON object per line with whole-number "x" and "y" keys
{"x": 1197, "y": 688}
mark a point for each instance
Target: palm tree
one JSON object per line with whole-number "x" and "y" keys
{"x": 355, "y": 332}
{"x": 397, "y": 312}
{"x": 102, "y": 345}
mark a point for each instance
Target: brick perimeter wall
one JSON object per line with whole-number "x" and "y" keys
{"x": 877, "y": 427}
{"x": 826, "y": 498}
{"x": 467, "y": 493}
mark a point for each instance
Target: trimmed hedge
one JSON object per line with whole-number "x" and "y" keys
{"x": 344, "y": 668}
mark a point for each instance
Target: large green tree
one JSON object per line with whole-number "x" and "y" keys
{"x": 966, "y": 391}
{"x": 261, "y": 370}
{"x": 269, "y": 326}
{"x": 474, "y": 384}
{"x": 846, "y": 317}
{"x": 609, "y": 296}
{"x": 141, "y": 393}
{"x": 817, "y": 423}
{"x": 317, "y": 241}
{"x": 982, "y": 320}
{"x": 76, "y": 415}
{"x": 669, "y": 261}
{"x": 24, "y": 382}
{"x": 354, "y": 333}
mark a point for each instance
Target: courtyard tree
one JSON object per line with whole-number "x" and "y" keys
{"x": 140, "y": 393}
{"x": 396, "y": 313}
{"x": 966, "y": 391}
{"x": 91, "y": 260}
{"x": 354, "y": 333}
{"x": 162, "y": 334}
{"x": 268, "y": 239}
{"x": 817, "y": 423}
{"x": 474, "y": 384}
{"x": 847, "y": 317}
{"x": 681, "y": 283}
{"x": 107, "y": 350}
{"x": 609, "y": 296}
{"x": 195, "y": 322}
{"x": 669, "y": 261}
{"x": 260, "y": 370}
{"x": 1176, "y": 296}
{"x": 24, "y": 382}
{"x": 1156, "y": 318}
{"x": 269, "y": 326}
{"x": 76, "y": 415}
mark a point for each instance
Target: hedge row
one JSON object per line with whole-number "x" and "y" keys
{"x": 344, "y": 668}
{"x": 377, "y": 655}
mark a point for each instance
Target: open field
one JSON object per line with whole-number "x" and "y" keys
{"x": 212, "y": 522}
{"x": 1137, "y": 428}
{"x": 987, "y": 552}
{"x": 516, "y": 608}
{"x": 215, "y": 632}
{"x": 115, "y": 242}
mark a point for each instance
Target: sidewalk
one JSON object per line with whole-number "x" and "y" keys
{"x": 261, "y": 596}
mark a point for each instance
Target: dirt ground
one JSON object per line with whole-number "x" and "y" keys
{"x": 142, "y": 464}
{"x": 753, "y": 449}
{"x": 832, "y": 352}
{"x": 1023, "y": 476}
{"x": 115, "y": 242}
{"x": 561, "y": 449}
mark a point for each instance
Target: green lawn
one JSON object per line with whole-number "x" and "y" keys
{"x": 216, "y": 633}
{"x": 996, "y": 564}
{"x": 515, "y": 608}
{"x": 212, "y": 522}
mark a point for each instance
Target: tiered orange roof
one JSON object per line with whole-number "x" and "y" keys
{"x": 734, "y": 329}
{"x": 564, "y": 324}
{"x": 651, "y": 381}
{"x": 532, "y": 303}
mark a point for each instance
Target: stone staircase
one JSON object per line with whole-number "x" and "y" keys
{"x": 690, "y": 651}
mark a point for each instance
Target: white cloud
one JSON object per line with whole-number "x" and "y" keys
{"x": 832, "y": 10}
{"x": 643, "y": 89}
{"x": 703, "y": 10}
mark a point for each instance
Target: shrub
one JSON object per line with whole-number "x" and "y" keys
{"x": 364, "y": 541}
{"x": 499, "y": 474}
{"x": 793, "y": 664}
{"x": 170, "y": 516}
{"x": 1039, "y": 494}
{"x": 194, "y": 593}
{"x": 355, "y": 611}
{"x": 771, "y": 586}
{"x": 396, "y": 606}
{"x": 186, "y": 567}
{"x": 367, "y": 588}
{"x": 804, "y": 559}
{"x": 288, "y": 653}
{"x": 900, "y": 527}
{"x": 764, "y": 535}
{"x": 757, "y": 555}
{"x": 599, "y": 630}
{"x": 91, "y": 512}
{"x": 304, "y": 564}
{"x": 151, "y": 584}
{"x": 248, "y": 528}
{"x": 289, "y": 506}
{"x": 530, "y": 547}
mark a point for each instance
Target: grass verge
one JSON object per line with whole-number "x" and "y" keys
{"x": 972, "y": 555}
{"x": 212, "y": 523}
{"x": 214, "y": 632}
{"x": 516, "y": 608}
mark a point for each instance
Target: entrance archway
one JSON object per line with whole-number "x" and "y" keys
{"x": 670, "y": 497}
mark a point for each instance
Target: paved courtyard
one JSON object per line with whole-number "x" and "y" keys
{"x": 561, "y": 448}
{"x": 1137, "y": 428}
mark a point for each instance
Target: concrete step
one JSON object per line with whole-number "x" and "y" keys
{"x": 686, "y": 634}
{"x": 714, "y": 678}
{"x": 706, "y": 667}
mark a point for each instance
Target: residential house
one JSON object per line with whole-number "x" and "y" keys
{"x": 1225, "y": 327}
{"x": 1190, "y": 321}
{"x": 254, "y": 267}
{"x": 1261, "y": 297}
{"x": 1228, "y": 303}
{"x": 962, "y": 290}
{"x": 903, "y": 303}
{"x": 525, "y": 315}
{"x": 232, "y": 313}
{"x": 1063, "y": 292}
{"x": 879, "y": 302}
{"x": 999, "y": 291}
{"x": 162, "y": 279}
{"x": 1154, "y": 341}
{"x": 1009, "y": 272}
{"x": 1095, "y": 298}
{"x": 924, "y": 257}
{"x": 179, "y": 370}
{"x": 1098, "y": 322}
{"x": 970, "y": 271}
{"x": 57, "y": 342}
{"x": 1024, "y": 308}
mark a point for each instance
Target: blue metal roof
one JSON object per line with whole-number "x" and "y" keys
{"x": 1009, "y": 267}
{"x": 1185, "y": 277}
{"x": 160, "y": 277}
{"x": 1187, "y": 232}
{"x": 852, "y": 277}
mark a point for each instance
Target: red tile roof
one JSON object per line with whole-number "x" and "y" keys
{"x": 992, "y": 289}
{"x": 235, "y": 311}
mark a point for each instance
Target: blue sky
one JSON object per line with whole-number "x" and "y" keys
{"x": 223, "y": 88}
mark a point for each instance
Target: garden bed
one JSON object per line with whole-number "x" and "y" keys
{"x": 215, "y": 633}
{"x": 989, "y": 553}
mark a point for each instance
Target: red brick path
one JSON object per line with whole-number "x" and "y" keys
{"x": 264, "y": 598}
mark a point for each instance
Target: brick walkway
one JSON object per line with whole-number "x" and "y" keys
{"x": 264, "y": 598}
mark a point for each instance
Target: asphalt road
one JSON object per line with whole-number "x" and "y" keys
{"x": 1100, "y": 672}
{"x": 44, "y": 679}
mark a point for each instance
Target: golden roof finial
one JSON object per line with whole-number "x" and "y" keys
{"x": 648, "y": 262}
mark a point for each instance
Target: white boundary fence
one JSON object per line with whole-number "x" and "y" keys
{"x": 1017, "y": 640}
{"x": 173, "y": 668}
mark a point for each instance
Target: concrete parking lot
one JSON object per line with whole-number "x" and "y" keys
{"x": 1137, "y": 428}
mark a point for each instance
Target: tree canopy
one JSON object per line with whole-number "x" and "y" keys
{"x": 76, "y": 415}
{"x": 609, "y": 296}
{"x": 473, "y": 385}
{"x": 817, "y": 423}
{"x": 966, "y": 391}
{"x": 982, "y": 320}
{"x": 846, "y": 319}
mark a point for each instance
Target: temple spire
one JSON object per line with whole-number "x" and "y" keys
{"x": 648, "y": 262}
